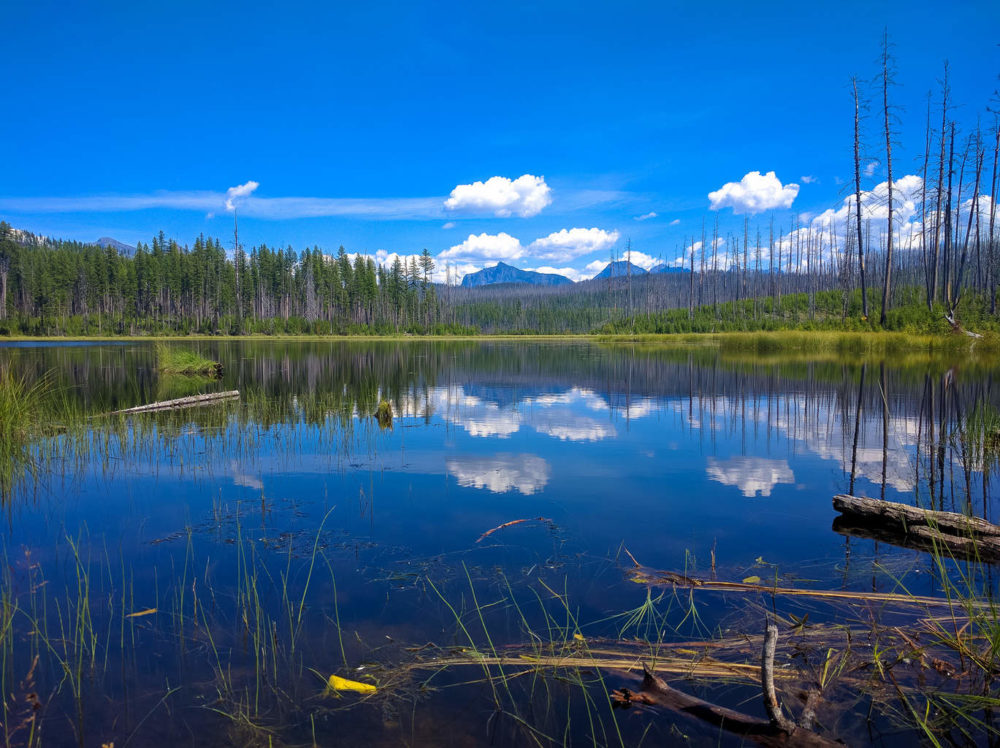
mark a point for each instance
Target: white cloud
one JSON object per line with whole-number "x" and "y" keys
{"x": 572, "y": 273}
{"x": 449, "y": 225}
{"x": 525, "y": 196}
{"x": 500, "y": 246}
{"x": 870, "y": 168}
{"x": 694, "y": 250}
{"x": 646, "y": 216}
{"x": 593, "y": 268}
{"x": 676, "y": 222}
{"x": 755, "y": 193}
{"x": 271, "y": 208}
{"x": 641, "y": 259}
{"x": 453, "y": 272}
{"x": 242, "y": 190}
{"x": 808, "y": 179}
{"x": 568, "y": 244}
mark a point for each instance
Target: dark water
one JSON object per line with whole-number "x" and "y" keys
{"x": 288, "y": 537}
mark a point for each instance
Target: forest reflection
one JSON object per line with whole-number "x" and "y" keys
{"x": 925, "y": 432}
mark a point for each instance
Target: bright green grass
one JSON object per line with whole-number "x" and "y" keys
{"x": 170, "y": 360}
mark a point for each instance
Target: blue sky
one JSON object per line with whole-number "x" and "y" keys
{"x": 358, "y": 121}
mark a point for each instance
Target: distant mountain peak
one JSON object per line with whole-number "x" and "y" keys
{"x": 126, "y": 250}
{"x": 504, "y": 273}
{"x": 620, "y": 269}
{"x": 665, "y": 268}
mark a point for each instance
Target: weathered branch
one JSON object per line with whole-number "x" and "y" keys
{"x": 655, "y": 692}
{"x": 193, "y": 401}
{"x": 957, "y": 327}
{"x": 771, "y": 703}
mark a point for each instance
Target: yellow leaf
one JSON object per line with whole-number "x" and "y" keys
{"x": 337, "y": 683}
{"x": 579, "y": 637}
{"x": 752, "y": 580}
{"x": 686, "y": 651}
{"x": 141, "y": 613}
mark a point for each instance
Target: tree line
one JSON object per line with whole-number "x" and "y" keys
{"x": 71, "y": 288}
{"x": 896, "y": 246}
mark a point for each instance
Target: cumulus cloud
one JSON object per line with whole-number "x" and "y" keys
{"x": 646, "y": 216}
{"x": 755, "y": 193}
{"x": 560, "y": 246}
{"x": 829, "y": 232}
{"x": 870, "y": 168}
{"x": 485, "y": 246}
{"x": 572, "y": 273}
{"x": 695, "y": 250}
{"x": 240, "y": 190}
{"x": 641, "y": 259}
{"x": 567, "y": 244}
{"x": 525, "y": 196}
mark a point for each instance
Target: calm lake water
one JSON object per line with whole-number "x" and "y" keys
{"x": 272, "y": 542}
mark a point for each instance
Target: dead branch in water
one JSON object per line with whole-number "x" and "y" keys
{"x": 656, "y": 692}
{"x": 511, "y": 524}
{"x": 654, "y": 577}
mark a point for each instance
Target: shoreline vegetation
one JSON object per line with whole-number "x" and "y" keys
{"x": 813, "y": 341}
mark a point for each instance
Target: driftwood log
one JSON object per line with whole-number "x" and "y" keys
{"x": 194, "y": 401}
{"x": 916, "y": 528}
{"x": 777, "y": 730}
{"x": 656, "y": 692}
{"x": 956, "y": 327}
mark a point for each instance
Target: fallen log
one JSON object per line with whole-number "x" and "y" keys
{"x": 193, "y": 401}
{"x": 921, "y": 539}
{"x": 956, "y": 327}
{"x": 912, "y": 516}
{"x": 916, "y": 528}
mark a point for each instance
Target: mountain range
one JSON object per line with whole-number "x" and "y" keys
{"x": 504, "y": 273}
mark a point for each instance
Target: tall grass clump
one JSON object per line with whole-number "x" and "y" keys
{"x": 171, "y": 360}
{"x": 25, "y": 413}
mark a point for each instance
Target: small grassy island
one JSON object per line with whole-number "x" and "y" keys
{"x": 171, "y": 360}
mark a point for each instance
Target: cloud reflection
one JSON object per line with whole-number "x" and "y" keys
{"x": 752, "y": 475}
{"x": 500, "y": 473}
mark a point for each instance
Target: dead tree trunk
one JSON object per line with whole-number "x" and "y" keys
{"x": 887, "y": 280}
{"x": 857, "y": 198}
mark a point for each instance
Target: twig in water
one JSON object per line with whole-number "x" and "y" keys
{"x": 511, "y": 523}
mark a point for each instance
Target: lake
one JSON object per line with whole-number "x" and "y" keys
{"x": 486, "y": 560}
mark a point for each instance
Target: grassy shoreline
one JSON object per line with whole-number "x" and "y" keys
{"x": 765, "y": 340}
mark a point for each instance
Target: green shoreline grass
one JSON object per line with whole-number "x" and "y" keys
{"x": 763, "y": 340}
